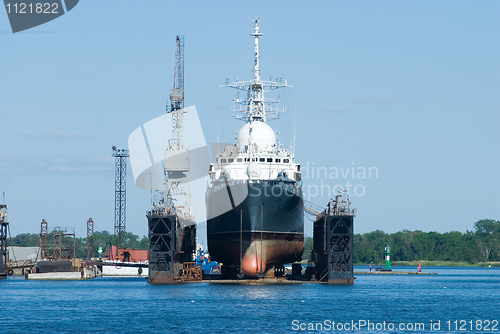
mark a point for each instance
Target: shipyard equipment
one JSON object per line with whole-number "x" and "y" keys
{"x": 90, "y": 239}
{"x": 121, "y": 156}
{"x": 176, "y": 161}
{"x": 57, "y": 245}
{"x": 171, "y": 226}
{"x": 333, "y": 241}
{"x": 44, "y": 240}
{"x": 57, "y": 249}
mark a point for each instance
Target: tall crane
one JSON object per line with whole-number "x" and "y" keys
{"x": 177, "y": 97}
{"x": 176, "y": 157}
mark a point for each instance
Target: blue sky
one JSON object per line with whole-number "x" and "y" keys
{"x": 411, "y": 89}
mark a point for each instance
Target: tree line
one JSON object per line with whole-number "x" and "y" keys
{"x": 480, "y": 245}
{"x": 101, "y": 239}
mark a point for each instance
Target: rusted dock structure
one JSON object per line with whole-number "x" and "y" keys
{"x": 171, "y": 249}
{"x": 333, "y": 242}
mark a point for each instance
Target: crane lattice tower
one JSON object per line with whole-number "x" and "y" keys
{"x": 176, "y": 157}
{"x": 121, "y": 156}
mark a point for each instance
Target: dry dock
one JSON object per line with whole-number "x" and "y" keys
{"x": 267, "y": 281}
{"x": 264, "y": 281}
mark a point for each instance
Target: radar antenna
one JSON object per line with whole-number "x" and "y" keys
{"x": 256, "y": 107}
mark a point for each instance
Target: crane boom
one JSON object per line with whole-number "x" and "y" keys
{"x": 177, "y": 97}
{"x": 176, "y": 162}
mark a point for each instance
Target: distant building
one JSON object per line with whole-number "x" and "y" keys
{"x": 15, "y": 253}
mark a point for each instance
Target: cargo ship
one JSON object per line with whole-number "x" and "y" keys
{"x": 255, "y": 210}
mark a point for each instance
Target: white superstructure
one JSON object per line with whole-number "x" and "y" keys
{"x": 258, "y": 155}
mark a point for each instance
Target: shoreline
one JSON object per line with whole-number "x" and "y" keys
{"x": 434, "y": 264}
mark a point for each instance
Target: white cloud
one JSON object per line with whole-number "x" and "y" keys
{"x": 336, "y": 108}
{"x": 64, "y": 135}
{"x": 53, "y": 134}
{"x": 29, "y": 134}
{"x": 79, "y": 169}
{"x": 50, "y": 163}
{"x": 374, "y": 101}
{"x": 7, "y": 109}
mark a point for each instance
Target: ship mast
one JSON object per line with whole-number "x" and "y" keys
{"x": 256, "y": 34}
{"x": 255, "y": 107}
{"x": 256, "y": 91}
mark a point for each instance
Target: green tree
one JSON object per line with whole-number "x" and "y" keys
{"x": 308, "y": 246}
{"x": 24, "y": 240}
{"x": 487, "y": 239}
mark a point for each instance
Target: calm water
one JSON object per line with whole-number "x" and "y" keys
{"x": 130, "y": 305}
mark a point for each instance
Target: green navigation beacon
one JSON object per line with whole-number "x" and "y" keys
{"x": 387, "y": 255}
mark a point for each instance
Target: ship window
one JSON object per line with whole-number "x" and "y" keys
{"x": 285, "y": 161}
{"x": 262, "y": 159}
{"x": 277, "y": 160}
{"x": 223, "y": 160}
{"x": 239, "y": 160}
{"x": 298, "y": 168}
{"x": 269, "y": 159}
{"x": 231, "y": 160}
{"x": 247, "y": 159}
{"x": 254, "y": 159}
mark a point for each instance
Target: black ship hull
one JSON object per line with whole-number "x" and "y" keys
{"x": 266, "y": 229}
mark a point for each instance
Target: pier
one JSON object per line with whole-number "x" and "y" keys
{"x": 86, "y": 273}
{"x": 392, "y": 273}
